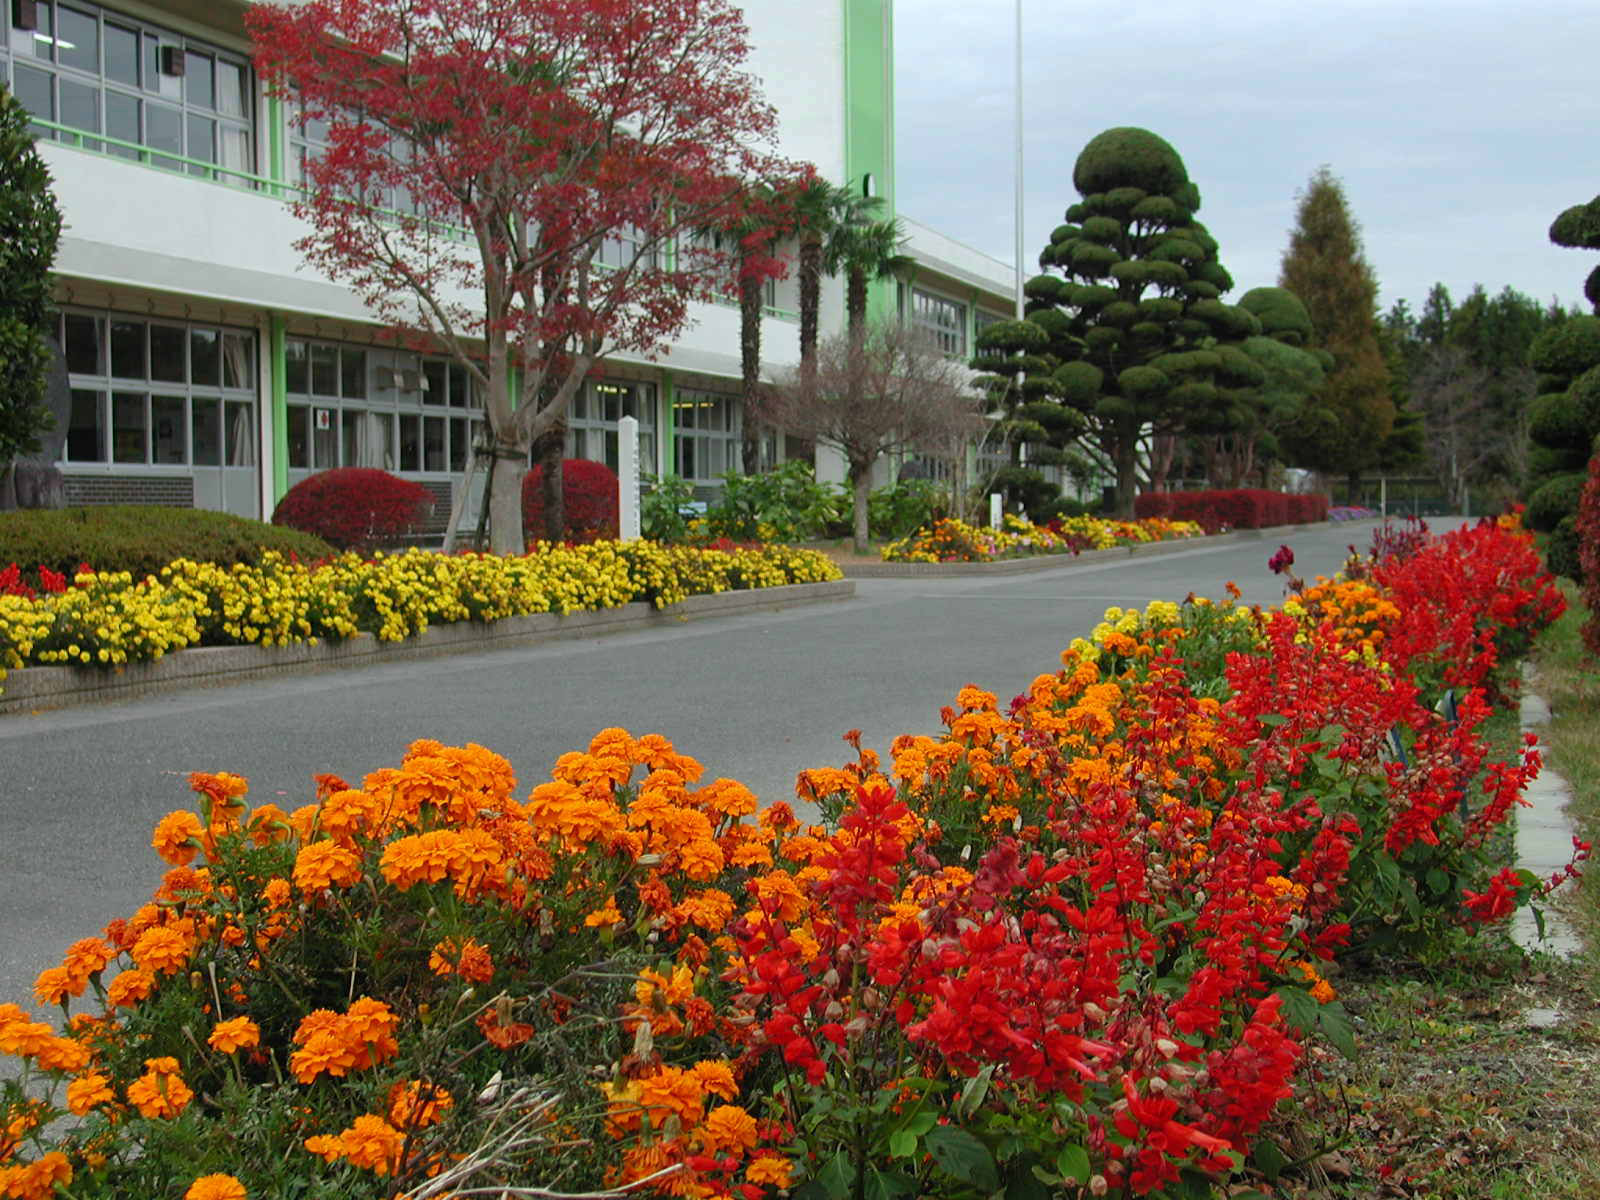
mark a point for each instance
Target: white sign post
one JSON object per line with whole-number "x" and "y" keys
{"x": 994, "y": 510}
{"x": 628, "y": 479}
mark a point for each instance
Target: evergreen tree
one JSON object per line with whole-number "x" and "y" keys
{"x": 1326, "y": 267}
{"x": 30, "y": 230}
{"x": 1136, "y": 343}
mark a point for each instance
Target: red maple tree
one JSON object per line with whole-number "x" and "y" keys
{"x": 521, "y": 181}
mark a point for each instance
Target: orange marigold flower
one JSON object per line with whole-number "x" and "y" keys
{"x": 606, "y": 915}
{"x": 324, "y": 1052}
{"x": 160, "y": 1092}
{"x": 504, "y": 1036}
{"x": 728, "y": 1126}
{"x": 268, "y": 824}
{"x": 373, "y": 1143}
{"x": 329, "y": 1146}
{"x": 178, "y": 837}
{"x": 716, "y": 1078}
{"x": 276, "y": 893}
{"x": 55, "y": 984}
{"x": 164, "y": 949}
{"x": 86, "y": 956}
{"x": 771, "y": 1169}
{"x": 467, "y": 958}
{"x": 1322, "y": 992}
{"x": 701, "y": 860}
{"x": 129, "y": 987}
{"x": 88, "y": 1093}
{"x": 322, "y": 865}
{"x": 36, "y": 1180}
{"x": 62, "y": 1054}
{"x": 417, "y": 1104}
{"x": 215, "y": 1187}
{"x": 237, "y": 1033}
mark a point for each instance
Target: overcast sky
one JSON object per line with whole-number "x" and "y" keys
{"x": 1459, "y": 129}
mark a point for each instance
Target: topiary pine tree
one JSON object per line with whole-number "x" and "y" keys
{"x": 30, "y": 230}
{"x": 1579, "y": 227}
{"x": 1137, "y": 343}
{"x": 1324, "y": 265}
{"x": 1292, "y": 373}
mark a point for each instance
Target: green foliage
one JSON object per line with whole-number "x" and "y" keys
{"x": 1281, "y": 314}
{"x": 1556, "y": 499}
{"x": 1129, "y": 157}
{"x": 665, "y": 506}
{"x": 142, "y": 540}
{"x": 1578, "y": 226}
{"x": 1027, "y": 487}
{"x": 1568, "y": 349}
{"x": 786, "y": 504}
{"x": 903, "y": 507}
{"x": 30, "y": 230}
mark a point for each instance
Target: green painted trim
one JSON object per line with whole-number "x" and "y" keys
{"x": 868, "y": 27}
{"x": 275, "y": 160}
{"x": 667, "y": 446}
{"x": 277, "y": 365}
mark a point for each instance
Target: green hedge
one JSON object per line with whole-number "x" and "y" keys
{"x": 142, "y": 539}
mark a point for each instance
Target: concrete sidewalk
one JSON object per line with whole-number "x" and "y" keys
{"x": 1544, "y": 844}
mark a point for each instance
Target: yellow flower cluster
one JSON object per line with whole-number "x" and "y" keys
{"x": 108, "y": 620}
{"x": 1357, "y": 614}
{"x": 950, "y": 540}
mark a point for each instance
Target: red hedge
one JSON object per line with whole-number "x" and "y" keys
{"x": 355, "y": 508}
{"x": 1238, "y": 508}
{"x": 589, "y": 493}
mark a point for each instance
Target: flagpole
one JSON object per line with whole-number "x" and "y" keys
{"x": 1018, "y": 153}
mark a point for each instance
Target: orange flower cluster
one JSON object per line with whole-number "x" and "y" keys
{"x": 160, "y": 1092}
{"x": 337, "y": 1043}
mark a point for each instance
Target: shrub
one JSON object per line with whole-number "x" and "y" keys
{"x": 355, "y": 508}
{"x": 1588, "y": 539}
{"x": 665, "y": 508}
{"x": 1235, "y": 508}
{"x": 904, "y": 507}
{"x": 786, "y": 504}
{"x": 141, "y": 540}
{"x": 589, "y": 491}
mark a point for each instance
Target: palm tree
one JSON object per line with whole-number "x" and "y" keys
{"x": 818, "y": 207}
{"x": 863, "y": 249}
{"x": 754, "y": 237}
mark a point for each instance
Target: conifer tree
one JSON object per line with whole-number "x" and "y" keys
{"x": 1326, "y": 267}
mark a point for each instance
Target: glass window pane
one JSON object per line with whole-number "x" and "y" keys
{"x": 438, "y": 388}
{"x": 129, "y": 428}
{"x": 241, "y": 434}
{"x": 459, "y": 444}
{"x": 324, "y": 371}
{"x": 152, "y": 63}
{"x": 230, "y": 89}
{"x": 78, "y": 43}
{"x": 299, "y": 436}
{"x": 351, "y": 429}
{"x": 205, "y": 358}
{"x": 122, "y": 54}
{"x": 166, "y": 354}
{"x": 85, "y": 348}
{"x": 379, "y": 452}
{"x": 86, "y": 434}
{"x": 296, "y": 363}
{"x": 127, "y": 349}
{"x": 324, "y": 438}
{"x": 433, "y": 444}
{"x": 80, "y": 108}
{"x": 199, "y": 80}
{"x": 353, "y": 373}
{"x": 238, "y": 361}
{"x": 168, "y": 444}
{"x": 233, "y": 152}
{"x": 202, "y": 142}
{"x": 122, "y": 121}
{"x": 458, "y": 387}
{"x": 163, "y": 130}
{"x": 34, "y": 91}
{"x": 410, "y": 442}
{"x": 40, "y": 43}
{"x": 207, "y": 416}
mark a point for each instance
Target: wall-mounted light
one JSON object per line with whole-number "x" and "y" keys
{"x": 172, "y": 60}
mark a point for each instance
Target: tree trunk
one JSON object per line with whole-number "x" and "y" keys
{"x": 1352, "y": 486}
{"x": 810, "y": 309}
{"x": 551, "y": 448}
{"x": 855, "y": 304}
{"x": 505, "y": 499}
{"x": 861, "y": 481}
{"x": 1127, "y": 461}
{"x": 750, "y": 305}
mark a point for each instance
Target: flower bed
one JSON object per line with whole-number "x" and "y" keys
{"x": 949, "y": 540}
{"x": 1080, "y": 941}
{"x": 108, "y": 619}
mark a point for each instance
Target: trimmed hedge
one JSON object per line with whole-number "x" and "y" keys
{"x": 1237, "y": 508}
{"x": 355, "y": 508}
{"x": 141, "y": 539}
{"x": 589, "y": 494}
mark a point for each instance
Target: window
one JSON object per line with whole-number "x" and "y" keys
{"x": 984, "y": 319}
{"x": 357, "y": 406}
{"x": 707, "y": 434}
{"x": 158, "y": 93}
{"x": 596, "y": 411}
{"x": 308, "y": 141}
{"x": 624, "y": 250}
{"x": 945, "y": 320}
{"x": 158, "y": 392}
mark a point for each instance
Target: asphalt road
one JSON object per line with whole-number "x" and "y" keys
{"x": 756, "y": 698}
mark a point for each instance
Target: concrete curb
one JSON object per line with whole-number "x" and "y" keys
{"x": 1544, "y": 841}
{"x": 33, "y": 688}
{"x": 1052, "y": 562}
